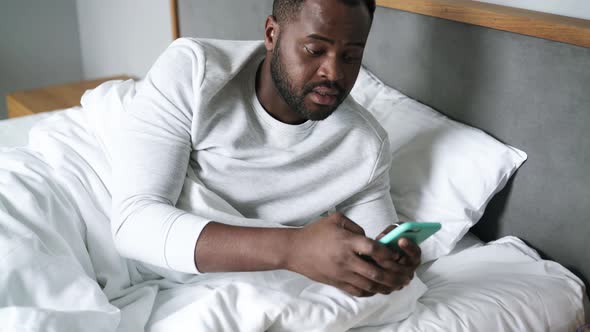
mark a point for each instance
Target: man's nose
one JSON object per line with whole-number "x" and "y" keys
{"x": 331, "y": 69}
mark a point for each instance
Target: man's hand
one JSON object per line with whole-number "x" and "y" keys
{"x": 329, "y": 251}
{"x": 411, "y": 252}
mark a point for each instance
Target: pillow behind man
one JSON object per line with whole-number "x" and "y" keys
{"x": 442, "y": 170}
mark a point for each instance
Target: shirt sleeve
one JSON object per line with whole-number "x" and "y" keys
{"x": 372, "y": 208}
{"x": 150, "y": 162}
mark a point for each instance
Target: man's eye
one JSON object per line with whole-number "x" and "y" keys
{"x": 352, "y": 58}
{"x": 313, "y": 52}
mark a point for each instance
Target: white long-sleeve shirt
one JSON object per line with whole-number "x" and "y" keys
{"x": 197, "y": 111}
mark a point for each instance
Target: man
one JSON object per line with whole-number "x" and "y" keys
{"x": 267, "y": 131}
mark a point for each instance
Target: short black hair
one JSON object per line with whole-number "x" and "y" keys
{"x": 285, "y": 10}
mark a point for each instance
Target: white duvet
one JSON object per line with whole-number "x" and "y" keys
{"x": 60, "y": 272}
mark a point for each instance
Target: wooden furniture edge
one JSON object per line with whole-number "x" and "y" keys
{"x": 17, "y": 105}
{"x": 531, "y": 23}
{"x": 174, "y": 16}
{"x": 14, "y": 108}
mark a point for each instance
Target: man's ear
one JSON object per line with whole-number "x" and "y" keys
{"x": 271, "y": 33}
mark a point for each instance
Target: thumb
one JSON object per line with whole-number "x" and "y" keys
{"x": 385, "y": 231}
{"x": 349, "y": 225}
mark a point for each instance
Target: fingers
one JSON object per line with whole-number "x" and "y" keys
{"x": 378, "y": 252}
{"x": 358, "y": 285}
{"x": 349, "y": 225}
{"x": 340, "y": 265}
{"x": 412, "y": 252}
{"x": 387, "y": 230}
{"x": 375, "y": 279}
{"x": 353, "y": 290}
{"x": 385, "y": 269}
{"x": 369, "y": 287}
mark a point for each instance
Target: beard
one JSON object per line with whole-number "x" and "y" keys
{"x": 295, "y": 101}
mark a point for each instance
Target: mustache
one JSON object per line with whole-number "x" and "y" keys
{"x": 328, "y": 84}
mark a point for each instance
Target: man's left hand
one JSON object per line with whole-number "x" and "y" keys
{"x": 409, "y": 257}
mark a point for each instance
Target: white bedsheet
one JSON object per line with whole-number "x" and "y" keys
{"x": 15, "y": 132}
{"x": 60, "y": 271}
{"x": 500, "y": 286}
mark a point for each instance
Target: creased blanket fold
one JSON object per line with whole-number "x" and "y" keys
{"x": 61, "y": 272}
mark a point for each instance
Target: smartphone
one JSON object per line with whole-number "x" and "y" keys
{"x": 416, "y": 232}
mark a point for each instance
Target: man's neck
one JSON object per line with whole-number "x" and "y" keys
{"x": 270, "y": 98}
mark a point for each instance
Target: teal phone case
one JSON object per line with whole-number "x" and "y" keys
{"x": 416, "y": 232}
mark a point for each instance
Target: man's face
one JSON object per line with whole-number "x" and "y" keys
{"x": 318, "y": 54}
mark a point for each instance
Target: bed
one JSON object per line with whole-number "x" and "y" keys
{"x": 508, "y": 273}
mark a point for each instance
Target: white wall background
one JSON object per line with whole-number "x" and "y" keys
{"x": 126, "y": 36}
{"x": 572, "y": 8}
{"x": 39, "y": 45}
{"x": 122, "y": 36}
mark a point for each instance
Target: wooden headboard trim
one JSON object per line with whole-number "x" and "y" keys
{"x": 174, "y": 16}
{"x": 547, "y": 26}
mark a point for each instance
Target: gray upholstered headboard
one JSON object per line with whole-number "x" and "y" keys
{"x": 528, "y": 92}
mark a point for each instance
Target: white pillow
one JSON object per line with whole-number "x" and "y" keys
{"x": 442, "y": 170}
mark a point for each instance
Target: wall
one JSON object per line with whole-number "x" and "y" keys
{"x": 122, "y": 37}
{"x": 573, "y": 8}
{"x": 40, "y": 45}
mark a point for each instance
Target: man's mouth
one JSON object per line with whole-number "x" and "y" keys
{"x": 326, "y": 91}
{"x": 324, "y": 95}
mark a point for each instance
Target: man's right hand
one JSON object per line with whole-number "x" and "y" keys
{"x": 328, "y": 251}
